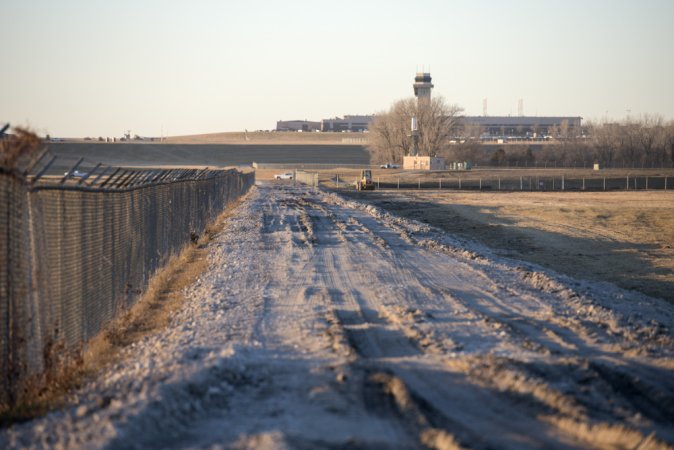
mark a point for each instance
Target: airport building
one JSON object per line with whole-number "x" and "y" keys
{"x": 297, "y": 125}
{"x": 522, "y": 126}
{"x": 347, "y": 124}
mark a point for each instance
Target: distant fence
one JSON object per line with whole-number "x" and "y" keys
{"x": 517, "y": 183}
{"x": 312, "y": 166}
{"x": 73, "y": 254}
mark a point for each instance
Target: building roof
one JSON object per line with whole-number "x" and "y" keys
{"x": 519, "y": 120}
{"x": 351, "y": 118}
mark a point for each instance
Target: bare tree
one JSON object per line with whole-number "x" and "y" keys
{"x": 604, "y": 142}
{"x": 629, "y": 135}
{"x": 649, "y": 134}
{"x": 389, "y": 133}
{"x": 465, "y": 144}
{"x": 667, "y": 141}
{"x": 499, "y": 158}
{"x": 470, "y": 131}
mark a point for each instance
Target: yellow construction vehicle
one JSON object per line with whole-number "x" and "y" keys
{"x": 364, "y": 182}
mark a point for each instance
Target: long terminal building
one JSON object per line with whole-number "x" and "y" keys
{"x": 522, "y": 126}
{"x": 487, "y": 127}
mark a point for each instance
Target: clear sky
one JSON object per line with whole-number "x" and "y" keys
{"x": 99, "y": 67}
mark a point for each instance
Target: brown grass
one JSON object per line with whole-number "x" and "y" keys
{"x": 257, "y": 137}
{"x": 152, "y": 312}
{"x": 604, "y": 435}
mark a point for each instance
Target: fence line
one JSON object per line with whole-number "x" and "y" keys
{"x": 312, "y": 166}
{"x": 574, "y": 165}
{"x": 74, "y": 254}
{"x": 516, "y": 183}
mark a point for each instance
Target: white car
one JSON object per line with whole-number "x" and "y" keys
{"x": 76, "y": 174}
{"x": 389, "y": 166}
{"x": 284, "y": 176}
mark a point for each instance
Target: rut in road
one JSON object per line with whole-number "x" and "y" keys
{"x": 327, "y": 323}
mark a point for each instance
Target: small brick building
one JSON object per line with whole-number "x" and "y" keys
{"x": 423, "y": 163}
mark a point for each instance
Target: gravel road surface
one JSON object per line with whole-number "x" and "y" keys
{"x": 326, "y": 323}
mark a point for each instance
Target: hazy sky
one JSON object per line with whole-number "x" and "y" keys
{"x": 98, "y": 67}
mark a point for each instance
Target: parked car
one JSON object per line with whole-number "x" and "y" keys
{"x": 76, "y": 174}
{"x": 284, "y": 176}
{"x": 389, "y": 166}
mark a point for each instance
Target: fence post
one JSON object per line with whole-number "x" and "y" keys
{"x": 665, "y": 183}
{"x": 635, "y": 183}
{"x": 583, "y": 183}
{"x": 338, "y": 181}
{"x": 459, "y": 183}
{"x": 377, "y": 183}
{"x": 604, "y": 183}
{"x": 553, "y": 183}
{"x": 627, "y": 185}
{"x": 398, "y": 183}
{"x": 481, "y": 183}
{"x": 521, "y": 185}
{"x": 419, "y": 183}
{"x": 499, "y": 183}
{"x": 562, "y": 182}
{"x": 646, "y": 183}
{"x": 441, "y": 183}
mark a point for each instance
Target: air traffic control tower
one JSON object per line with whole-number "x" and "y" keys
{"x": 422, "y": 91}
{"x": 422, "y": 87}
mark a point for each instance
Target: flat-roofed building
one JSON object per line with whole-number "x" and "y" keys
{"x": 348, "y": 123}
{"x": 523, "y": 126}
{"x": 297, "y": 125}
{"x": 423, "y": 163}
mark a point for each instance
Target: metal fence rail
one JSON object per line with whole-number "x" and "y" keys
{"x": 75, "y": 252}
{"x": 312, "y": 166}
{"x": 521, "y": 183}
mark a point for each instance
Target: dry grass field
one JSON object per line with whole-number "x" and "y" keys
{"x": 245, "y": 137}
{"x": 626, "y": 238}
{"x": 262, "y": 137}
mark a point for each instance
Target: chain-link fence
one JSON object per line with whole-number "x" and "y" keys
{"x": 511, "y": 183}
{"x": 73, "y": 254}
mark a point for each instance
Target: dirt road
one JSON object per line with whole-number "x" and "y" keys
{"x": 625, "y": 238}
{"x": 326, "y": 323}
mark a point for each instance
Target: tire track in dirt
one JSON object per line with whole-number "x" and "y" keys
{"x": 515, "y": 324}
{"x": 361, "y": 335}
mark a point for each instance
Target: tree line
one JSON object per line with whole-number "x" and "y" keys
{"x": 646, "y": 141}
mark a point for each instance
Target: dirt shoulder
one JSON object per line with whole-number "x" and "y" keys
{"x": 626, "y": 238}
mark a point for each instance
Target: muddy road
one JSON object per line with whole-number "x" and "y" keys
{"x": 325, "y": 323}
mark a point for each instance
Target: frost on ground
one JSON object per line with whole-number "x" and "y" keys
{"x": 327, "y": 323}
